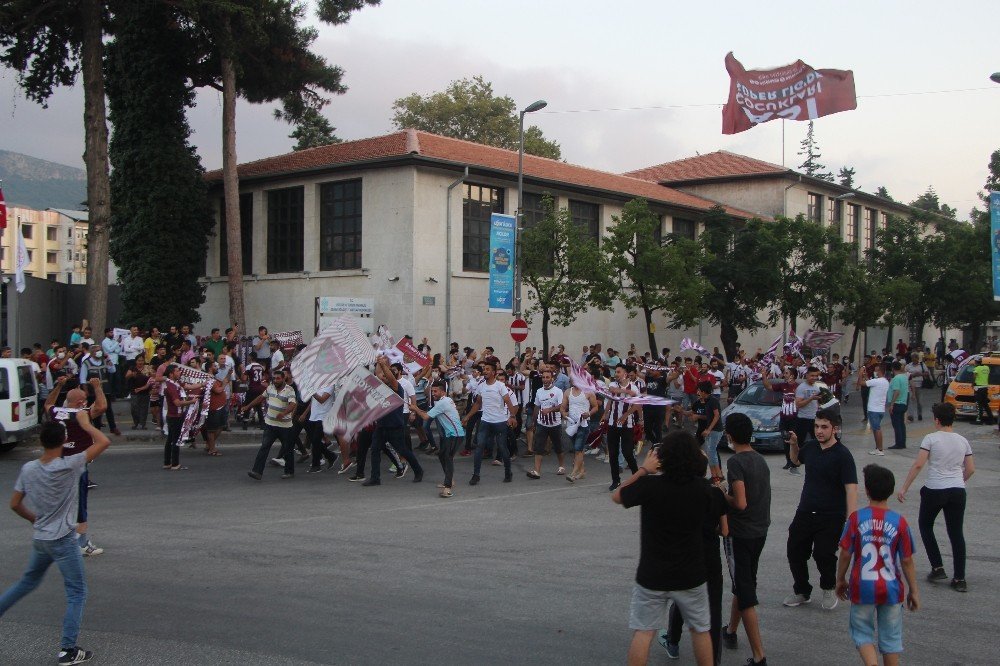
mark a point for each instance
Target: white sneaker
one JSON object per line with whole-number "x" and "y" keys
{"x": 876, "y": 452}
{"x": 793, "y": 600}
{"x": 830, "y": 600}
{"x": 278, "y": 462}
{"x": 90, "y": 549}
{"x": 601, "y": 457}
{"x": 593, "y": 452}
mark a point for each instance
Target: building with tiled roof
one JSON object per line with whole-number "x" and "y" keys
{"x": 369, "y": 219}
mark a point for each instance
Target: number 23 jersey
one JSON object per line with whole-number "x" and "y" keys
{"x": 878, "y": 539}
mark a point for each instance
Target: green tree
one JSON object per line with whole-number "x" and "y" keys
{"x": 740, "y": 266}
{"x": 811, "y": 166}
{"x": 48, "y": 44}
{"x": 261, "y": 51}
{"x": 899, "y": 263}
{"x": 559, "y": 265}
{"x": 161, "y": 219}
{"x": 846, "y": 176}
{"x": 312, "y": 129}
{"x": 468, "y": 109}
{"x": 649, "y": 275}
{"x": 929, "y": 201}
{"x": 806, "y": 269}
{"x": 860, "y": 301}
{"x": 884, "y": 193}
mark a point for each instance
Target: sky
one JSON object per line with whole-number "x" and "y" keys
{"x": 640, "y": 82}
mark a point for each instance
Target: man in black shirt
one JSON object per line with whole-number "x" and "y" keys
{"x": 829, "y": 496}
{"x": 706, "y": 411}
{"x": 749, "y": 517}
{"x": 653, "y": 416}
{"x": 671, "y": 490}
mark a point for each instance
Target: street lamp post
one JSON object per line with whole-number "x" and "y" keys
{"x": 531, "y": 108}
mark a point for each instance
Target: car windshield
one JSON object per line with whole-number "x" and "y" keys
{"x": 757, "y": 394}
{"x": 965, "y": 376}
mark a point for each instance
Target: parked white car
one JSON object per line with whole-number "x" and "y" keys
{"x": 19, "y": 405}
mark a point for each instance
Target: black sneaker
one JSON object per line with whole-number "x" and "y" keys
{"x": 937, "y": 574}
{"x": 729, "y": 640}
{"x": 508, "y": 477}
{"x": 751, "y": 662}
{"x": 254, "y": 475}
{"x": 958, "y": 584}
{"x": 74, "y": 656}
{"x": 614, "y": 486}
{"x": 91, "y": 485}
{"x": 314, "y": 469}
{"x": 372, "y": 482}
{"x": 356, "y": 477}
{"x": 474, "y": 480}
{"x": 417, "y": 478}
{"x": 401, "y": 472}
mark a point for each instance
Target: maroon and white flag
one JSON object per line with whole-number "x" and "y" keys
{"x": 793, "y": 92}
{"x": 288, "y": 340}
{"x": 359, "y": 399}
{"x": 688, "y": 343}
{"x": 584, "y": 381}
{"x": 195, "y": 414}
{"x": 820, "y": 339}
{"x": 406, "y": 346}
{"x": 337, "y": 350}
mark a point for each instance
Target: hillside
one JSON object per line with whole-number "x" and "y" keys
{"x": 35, "y": 183}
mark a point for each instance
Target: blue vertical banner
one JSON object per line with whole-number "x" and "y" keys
{"x": 502, "y": 237}
{"x": 995, "y": 241}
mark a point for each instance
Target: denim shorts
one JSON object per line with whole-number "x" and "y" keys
{"x": 711, "y": 447}
{"x": 875, "y": 420}
{"x": 648, "y": 609}
{"x": 888, "y": 618}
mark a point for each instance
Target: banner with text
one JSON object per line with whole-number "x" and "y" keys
{"x": 360, "y": 399}
{"x": 995, "y": 245}
{"x": 502, "y": 236}
{"x": 406, "y": 346}
{"x": 792, "y": 92}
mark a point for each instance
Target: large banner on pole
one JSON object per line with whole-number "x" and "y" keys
{"x": 792, "y": 92}
{"x": 502, "y": 236}
{"x": 995, "y": 244}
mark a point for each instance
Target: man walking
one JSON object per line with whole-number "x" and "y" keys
{"x": 391, "y": 430}
{"x": 749, "y": 517}
{"x": 493, "y": 400}
{"x": 51, "y": 485}
{"x": 829, "y": 496}
{"x": 279, "y": 400}
{"x": 548, "y": 424}
{"x": 878, "y": 390}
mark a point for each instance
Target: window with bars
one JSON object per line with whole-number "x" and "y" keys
{"x": 246, "y": 235}
{"x": 587, "y": 217}
{"x": 340, "y": 225}
{"x": 853, "y": 223}
{"x": 285, "y": 230}
{"x": 834, "y": 211}
{"x": 480, "y": 202}
{"x": 814, "y": 207}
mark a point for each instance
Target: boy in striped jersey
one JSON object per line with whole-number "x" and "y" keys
{"x": 548, "y": 423}
{"x": 879, "y": 544}
{"x": 621, "y": 419}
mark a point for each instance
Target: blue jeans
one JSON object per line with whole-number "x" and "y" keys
{"x": 580, "y": 438}
{"x": 496, "y": 434}
{"x": 65, "y": 552}
{"x": 898, "y": 418}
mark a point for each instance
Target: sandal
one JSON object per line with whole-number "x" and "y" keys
{"x": 561, "y": 471}
{"x": 446, "y": 492}
{"x": 213, "y": 452}
{"x": 532, "y": 474}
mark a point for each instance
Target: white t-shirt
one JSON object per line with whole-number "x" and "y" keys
{"x": 494, "y": 408}
{"x": 277, "y": 358}
{"x": 319, "y": 410}
{"x": 877, "y": 394}
{"x": 408, "y": 392}
{"x": 717, "y": 386}
{"x": 946, "y": 464}
{"x": 547, "y": 398}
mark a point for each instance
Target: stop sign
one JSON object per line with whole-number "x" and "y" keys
{"x": 519, "y": 330}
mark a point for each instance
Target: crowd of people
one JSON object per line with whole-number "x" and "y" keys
{"x": 468, "y": 402}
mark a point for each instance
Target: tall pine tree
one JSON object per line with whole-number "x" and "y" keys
{"x": 161, "y": 219}
{"x": 811, "y": 165}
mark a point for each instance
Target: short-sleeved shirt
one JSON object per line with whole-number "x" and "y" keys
{"x": 946, "y": 462}
{"x": 827, "y": 472}
{"x": 901, "y": 383}
{"x": 878, "y": 391}
{"x": 750, "y": 468}
{"x": 408, "y": 392}
{"x": 671, "y": 547}
{"x": 172, "y": 392}
{"x": 446, "y": 414}
{"x": 256, "y": 378}
{"x": 789, "y": 410}
{"x": 264, "y": 352}
{"x": 319, "y": 410}
{"x": 804, "y": 390}
{"x": 494, "y": 408}
{"x": 215, "y": 346}
{"x": 706, "y": 407}
{"x": 277, "y": 402}
{"x": 52, "y": 489}
{"x": 547, "y": 398}
{"x": 78, "y": 440}
{"x": 878, "y": 539}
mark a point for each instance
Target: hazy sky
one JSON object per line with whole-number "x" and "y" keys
{"x": 583, "y": 55}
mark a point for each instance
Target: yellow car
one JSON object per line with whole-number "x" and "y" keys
{"x": 961, "y": 394}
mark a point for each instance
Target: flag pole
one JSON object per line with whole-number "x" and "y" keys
{"x": 782, "y": 142}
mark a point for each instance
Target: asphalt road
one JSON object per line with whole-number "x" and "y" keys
{"x": 207, "y": 566}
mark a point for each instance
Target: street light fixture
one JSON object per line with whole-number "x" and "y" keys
{"x": 531, "y": 108}
{"x": 995, "y": 77}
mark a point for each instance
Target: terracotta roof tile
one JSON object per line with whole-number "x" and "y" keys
{"x": 720, "y": 164}
{"x": 446, "y": 149}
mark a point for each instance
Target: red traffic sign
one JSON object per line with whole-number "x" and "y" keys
{"x": 519, "y": 330}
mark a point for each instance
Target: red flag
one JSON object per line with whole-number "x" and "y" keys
{"x": 792, "y": 92}
{"x": 3, "y": 212}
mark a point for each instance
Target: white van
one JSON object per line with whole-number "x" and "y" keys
{"x": 19, "y": 406}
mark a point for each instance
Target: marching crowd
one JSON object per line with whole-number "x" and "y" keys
{"x": 468, "y": 402}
